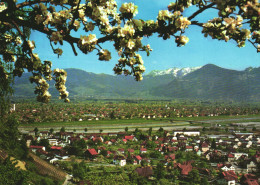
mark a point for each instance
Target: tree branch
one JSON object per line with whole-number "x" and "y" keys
{"x": 23, "y": 37}
{"x": 253, "y": 43}
{"x": 201, "y": 10}
{"x": 73, "y": 48}
{"x": 74, "y": 18}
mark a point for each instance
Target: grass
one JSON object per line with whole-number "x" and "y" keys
{"x": 99, "y": 122}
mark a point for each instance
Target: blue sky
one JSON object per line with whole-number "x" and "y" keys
{"x": 198, "y": 52}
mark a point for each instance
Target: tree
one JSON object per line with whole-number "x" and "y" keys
{"x": 86, "y": 129}
{"x": 150, "y": 131}
{"x": 36, "y": 130}
{"x": 51, "y": 130}
{"x": 126, "y": 129}
{"x": 60, "y": 20}
{"x": 160, "y": 129}
{"x": 204, "y": 181}
{"x": 160, "y": 171}
{"x": 213, "y": 144}
{"x": 254, "y": 129}
{"x": 62, "y": 129}
{"x": 100, "y": 131}
{"x": 45, "y": 142}
{"x": 9, "y": 174}
{"x": 194, "y": 176}
{"x": 79, "y": 170}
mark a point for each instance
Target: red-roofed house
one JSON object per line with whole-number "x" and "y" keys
{"x": 91, "y": 153}
{"x": 170, "y": 157}
{"x": 230, "y": 177}
{"x": 189, "y": 148}
{"x": 56, "y": 147}
{"x": 231, "y": 157}
{"x": 121, "y": 150}
{"x": 249, "y": 179}
{"x": 34, "y": 148}
{"x": 138, "y": 159}
{"x": 204, "y": 147}
{"x": 108, "y": 143}
{"x": 129, "y": 137}
{"x": 143, "y": 150}
{"x": 185, "y": 168}
{"x": 130, "y": 150}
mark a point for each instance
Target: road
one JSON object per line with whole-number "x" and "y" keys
{"x": 67, "y": 180}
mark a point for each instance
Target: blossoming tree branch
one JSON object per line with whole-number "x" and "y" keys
{"x": 58, "y": 19}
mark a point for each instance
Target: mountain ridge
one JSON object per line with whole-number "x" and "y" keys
{"x": 206, "y": 82}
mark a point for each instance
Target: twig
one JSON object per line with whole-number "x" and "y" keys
{"x": 201, "y": 10}
{"x": 253, "y": 43}
{"x": 74, "y": 18}
{"x": 73, "y": 48}
{"x": 23, "y": 37}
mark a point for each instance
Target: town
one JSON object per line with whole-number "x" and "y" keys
{"x": 151, "y": 156}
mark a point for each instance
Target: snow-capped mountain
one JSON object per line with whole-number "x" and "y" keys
{"x": 176, "y": 72}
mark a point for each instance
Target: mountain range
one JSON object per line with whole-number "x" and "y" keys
{"x": 209, "y": 82}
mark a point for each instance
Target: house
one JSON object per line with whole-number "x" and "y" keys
{"x": 143, "y": 150}
{"x": 119, "y": 160}
{"x": 97, "y": 139}
{"x": 53, "y": 142}
{"x": 130, "y": 150}
{"x": 56, "y": 147}
{"x": 35, "y": 148}
{"x": 112, "y": 134}
{"x": 257, "y": 156}
{"x": 144, "y": 171}
{"x": 138, "y": 158}
{"x": 109, "y": 153}
{"x": 238, "y": 155}
{"x": 108, "y": 143}
{"x": 187, "y": 133}
{"x": 121, "y": 150}
{"x": 226, "y": 167}
{"x": 204, "y": 147}
{"x": 170, "y": 157}
{"x": 199, "y": 153}
{"x": 44, "y": 134}
{"x": 249, "y": 179}
{"x": 185, "y": 168}
{"x": 251, "y": 167}
{"x": 231, "y": 157}
{"x": 54, "y": 159}
{"x": 189, "y": 148}
{"x": 230, "y": 177}
{"x": 129, "y": 138}
{"x": 91, "y": 153}
{"x": 66, "y": 135}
